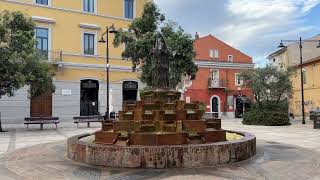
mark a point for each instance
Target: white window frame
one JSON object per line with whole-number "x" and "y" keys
{"x": 211, "y": 53}
{"x": 49, "y": 3}
{"x": 218, "y": 74}
{"x": 49, "y": 38}
{"x": 134, "y": 9}
{"x": 230, "y": 58}
{"x": 95, "y": 43}
{"x": 95, "y": 7}
{"x": 216, "y": 53}
{"x": 236, "y": 75}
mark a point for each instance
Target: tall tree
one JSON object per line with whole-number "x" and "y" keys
{"x": 139, "y": 41}
{"x": 19, "y": 63}
{"x": 269, "y": 84}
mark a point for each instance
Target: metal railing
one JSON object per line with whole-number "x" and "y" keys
{"x": 208, "y": 115}
{"x": 216, "y": 83}
{"x": 54, "y": 57}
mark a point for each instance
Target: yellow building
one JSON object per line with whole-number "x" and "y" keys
{"x": 290, "y": 57}
{"x": 311, "y": 72}
{"x": 67, "y": 33}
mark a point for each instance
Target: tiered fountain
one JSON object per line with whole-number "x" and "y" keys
{"x": 160, "y": 118}
{"x": 160, "y": 131}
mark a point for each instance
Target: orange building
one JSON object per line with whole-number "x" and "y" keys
{"x": 218, "y": 84}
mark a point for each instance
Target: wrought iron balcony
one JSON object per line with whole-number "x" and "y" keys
{"x": 216, "y": 83}
{"x": 54, "y": 57}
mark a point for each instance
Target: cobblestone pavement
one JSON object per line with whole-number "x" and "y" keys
{"x": 290, "y": 152}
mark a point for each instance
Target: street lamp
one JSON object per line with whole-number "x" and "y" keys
{"x": 300, "y": 42}
{"x": 110, "y": 29}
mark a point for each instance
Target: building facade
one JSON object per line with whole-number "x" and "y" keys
{"x": 67, "y": 34}
{"x": 218, "y": 84}
{"x": 289, "y": 57}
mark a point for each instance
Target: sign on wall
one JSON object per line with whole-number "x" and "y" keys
{"x": 66, "y": 92}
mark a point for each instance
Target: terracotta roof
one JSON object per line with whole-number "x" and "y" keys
{"x": 217, "y": 39}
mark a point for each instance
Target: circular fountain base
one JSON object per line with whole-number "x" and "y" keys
{"x": 166, "y": 156}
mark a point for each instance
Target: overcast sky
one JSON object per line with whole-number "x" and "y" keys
{"x": 253, "y": 26}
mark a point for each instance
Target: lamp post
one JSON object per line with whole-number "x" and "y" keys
{"x": 300, "y": 43}
{"x": 110, "y": 29}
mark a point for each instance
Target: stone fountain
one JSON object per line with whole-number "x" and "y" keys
{"x": 160, "y": 118}
{"x": 160, "y": 131}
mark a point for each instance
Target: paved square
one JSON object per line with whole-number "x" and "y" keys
{"x": 290, "y": 152}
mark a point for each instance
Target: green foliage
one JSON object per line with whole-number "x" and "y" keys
{"x": 140, "y": 39}
{"x": 202, "y": 106}
{"x": 270, "y": 87}
{"x": 266, "y": 117}
{"x": 19, "y": 63}
{"x": 269, "y": 84}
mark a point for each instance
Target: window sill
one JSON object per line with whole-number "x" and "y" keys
{"x": 42, "y": 5}
{"x": 90, "y": 13}
{"x": 90, "y": 55}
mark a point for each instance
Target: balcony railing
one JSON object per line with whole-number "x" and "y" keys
{"x": 208, "y": 115}
{"x": 216, "y": 83}
{"x": 54, "y": 57}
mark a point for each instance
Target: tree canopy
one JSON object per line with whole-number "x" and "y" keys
{"x": 19, "y": 63}
{"x": 139, "y": 41}
{"x": 269, "y": 84}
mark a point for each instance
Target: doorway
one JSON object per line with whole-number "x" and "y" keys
{"x": 215, "y": 106}
{"x": 41, "y": 106}
{"x": 89, "y": 104}
{"x": 130, "y": 90}
{"x": 242, "y": 105}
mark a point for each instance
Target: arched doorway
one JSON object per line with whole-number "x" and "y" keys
{"x": 129, "y": 90}
{"x": 215, "y": 106}
{"x": 89, "y": 102}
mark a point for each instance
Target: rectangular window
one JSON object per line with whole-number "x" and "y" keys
{"x": 215, "y": 74}
{"x": 89, "y": 6}
{"x": 215, "y": 81}
{"x": 238, "y": 79}
{"x": 43, "y": 2}
{"x": 216, "y": 53}
{"x": 211, "y": 53}
{"x": 304, "y": 75}
{"x": 129, "y": 8}
{"x": 230, "y": 58}
{"x": 88, "y": 43}
{"x": 230, "y": 100}
{"x": 42, "y": 36}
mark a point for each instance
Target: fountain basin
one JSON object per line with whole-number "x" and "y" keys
{"x": 164, "y": 156}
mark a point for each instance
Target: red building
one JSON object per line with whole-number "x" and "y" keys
{"x": 217, "y": 83}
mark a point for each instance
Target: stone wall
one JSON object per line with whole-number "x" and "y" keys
{"x": 180, "y": 156}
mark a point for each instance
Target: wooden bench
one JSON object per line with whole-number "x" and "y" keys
{"x": 41, "y": 121}
{"x": 88, "y": 119}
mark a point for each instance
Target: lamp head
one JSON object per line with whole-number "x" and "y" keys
{"x": 102, "y": 40}
{"x": 112, "y": 29}
{"x": 281, "y": 45}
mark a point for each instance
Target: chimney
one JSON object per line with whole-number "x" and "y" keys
{"x": 196, "y": 37}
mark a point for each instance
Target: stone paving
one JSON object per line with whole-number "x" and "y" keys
{"x": 290, "y": 152}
